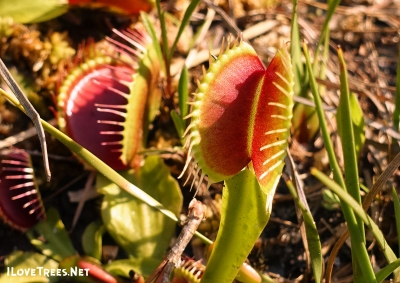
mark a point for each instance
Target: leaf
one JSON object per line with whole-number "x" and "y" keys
{"x": 92, "y": 239}
{"x": 26, "y": 11}
{"x": 387, "y": 270}
{"x": 151, "y": 31}
{"x": 56, "y": 243}
{"x": 357, "y": 119}
{"x": 185, "y": 21}
{"x": 139, "y": 229}
{"x": 396, "y": 205}
{"x": 295, "y": 50}
{"x": 119, "y": 6}
{"x": 178, "y": 123}
{"x": 28, "y": 260}
{"x": 183, "y": 92}
{"x": 243, "y": 217}
{"x": 346, "y": 198}
{"x": 21, "y": 205}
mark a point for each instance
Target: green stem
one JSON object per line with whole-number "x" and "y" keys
{"x": 244, "y": 214}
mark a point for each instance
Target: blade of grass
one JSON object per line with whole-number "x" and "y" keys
{"x": 103, "y": 168}
{"x": 295, "y": 50}
{"x": 396, "y": 204}
{"x": 151, "y": 31}
{"x": 298, "y": 185}
{"x": 345, "y": 197}
{"x": 358, "y": 125}
{"x": 185, "y": 21}
{"x": 163, "y": 30}
{"x": 376, "y": 188}
{"x": 337, "y": 173}
{"x": 332, "y": 5}
{"x": 387, "y": 270}
{"x": 314, "y": 243}
{"x": 183, "y": 92}
{"x": 360, "y": 252}
{"x": 165, "y": 47}
{"x": 348, "y": 140}
{"x": 179, "y": 124}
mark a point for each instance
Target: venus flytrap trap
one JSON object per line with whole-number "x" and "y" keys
{"x": 223, "y": 143}
{"x": 20, "y": 202}
{"x": 117, "y": 97}
{"x": 120, "y": 267}
{"x": 241, "y": 117}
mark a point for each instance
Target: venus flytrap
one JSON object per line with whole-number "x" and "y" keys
{"x": 115, "y": 96}
{"x": 221, "y": 142}
{"x": 20, "y": 203}
{"x": 241, "y": 117}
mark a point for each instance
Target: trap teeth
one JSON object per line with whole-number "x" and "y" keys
{"x": 237, "y": 102}
{"x": 20, "y": 202}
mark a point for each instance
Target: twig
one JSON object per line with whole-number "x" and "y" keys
{"x": 30, "y": 112}
{"x": 173, "y": 257}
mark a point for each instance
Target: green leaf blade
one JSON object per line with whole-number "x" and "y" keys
{"x": 27, "y": 11}
{"x": 139, "y": 229}
{"x": 92, "y": 239}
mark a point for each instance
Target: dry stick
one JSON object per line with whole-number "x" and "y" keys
{"x": 376, "y": 188}
{"x": 30, "y": 111}
{"x": 172, "y": 259}
{"x": 196, "y": 215}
